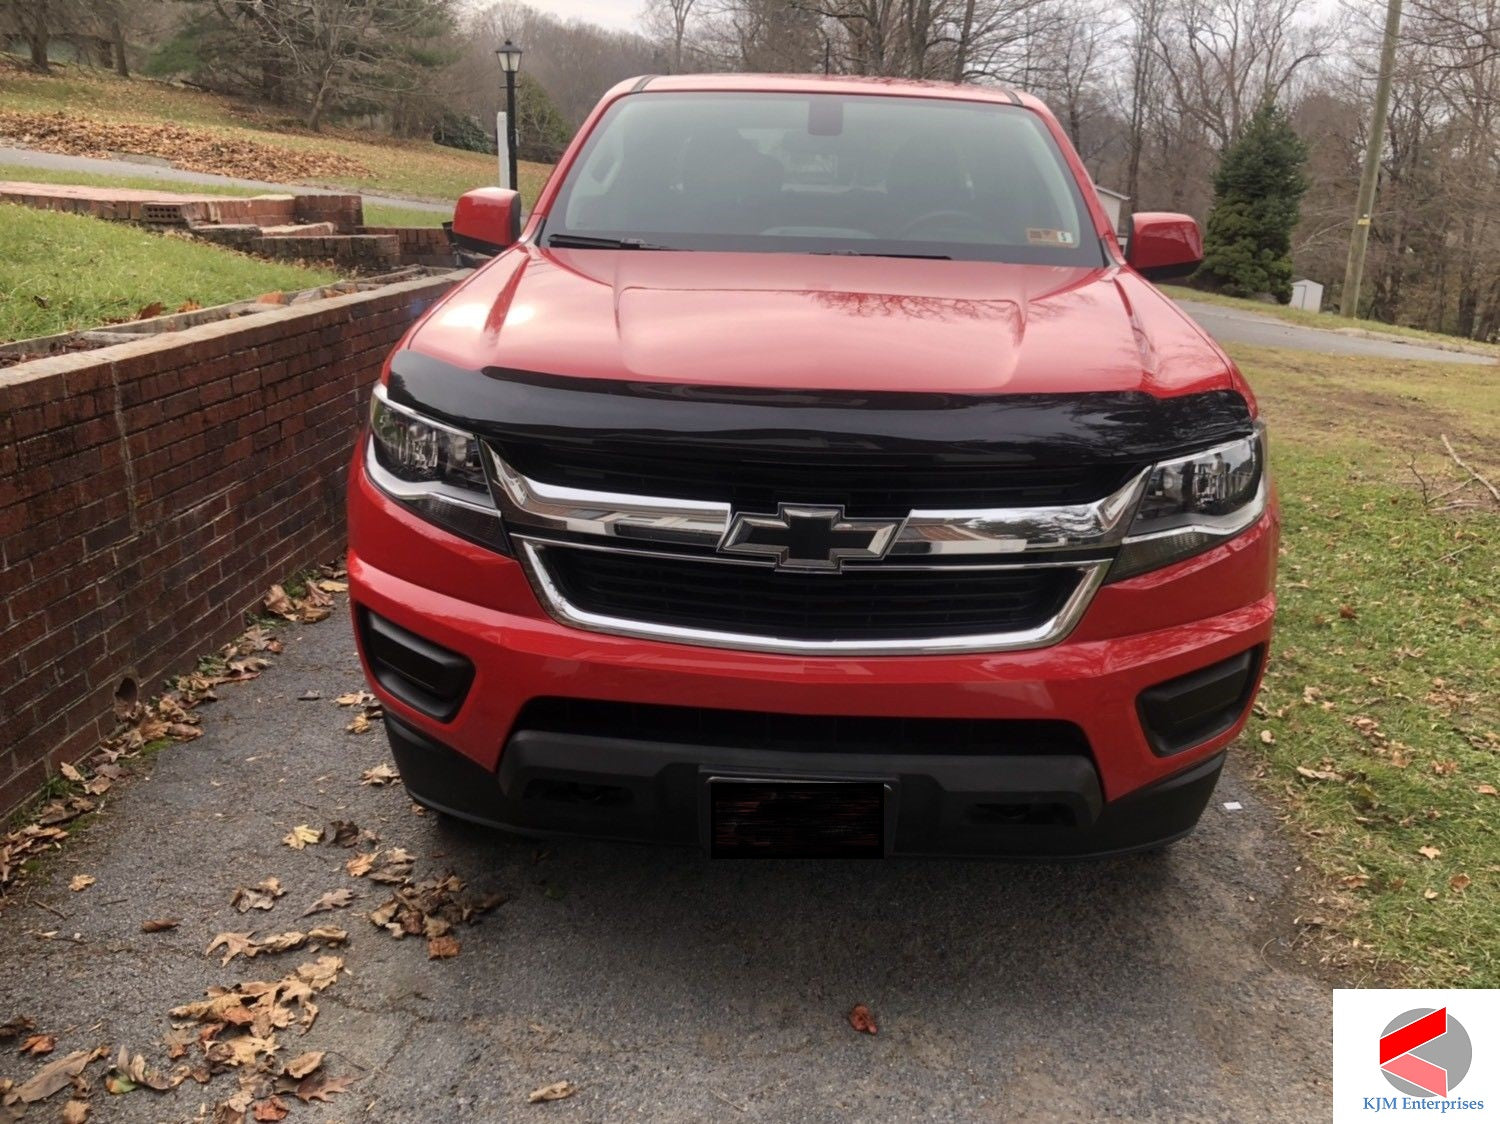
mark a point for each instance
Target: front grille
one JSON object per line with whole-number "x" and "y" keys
{"x": 803, "y": 733}
{"x": 756, "y": 477}
{"x": 871, "y": 603}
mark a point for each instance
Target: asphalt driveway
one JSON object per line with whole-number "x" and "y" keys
{"x": 663, "y": 986}
{"x": 1233, "y": 325}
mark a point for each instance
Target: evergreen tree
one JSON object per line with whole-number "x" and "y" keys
{"x": 1257, "y": 192}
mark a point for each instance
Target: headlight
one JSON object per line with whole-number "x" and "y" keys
{"x": 1195, "y": 502}
{"x": 435, "y": 470}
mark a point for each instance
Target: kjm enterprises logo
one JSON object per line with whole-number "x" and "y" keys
{"x": 1425, "y": 1052}
{"x": 1429, "y": 1061}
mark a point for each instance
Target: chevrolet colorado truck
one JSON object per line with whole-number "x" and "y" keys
{"x": 813, "y": 473}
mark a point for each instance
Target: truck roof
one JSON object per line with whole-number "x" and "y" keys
{"x": 823, "y": 84}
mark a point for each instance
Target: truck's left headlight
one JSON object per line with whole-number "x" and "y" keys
{"x": 434, "y": 469}
{"x": 1196, "y": 502}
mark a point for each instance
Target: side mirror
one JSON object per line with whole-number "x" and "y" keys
{"x": 486, "y": 221}
{"x": 1162, "y": 245}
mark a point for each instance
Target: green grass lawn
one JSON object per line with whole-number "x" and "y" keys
{"x": 416, "y": 169}
{"x": 1329, "y": 320}
{"x": 1379, "y": 727}
{"x": 376, "y": 214}
{"x": 61, "y": 272}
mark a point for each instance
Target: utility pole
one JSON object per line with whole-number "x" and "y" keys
{"x": 1354, "y": 272}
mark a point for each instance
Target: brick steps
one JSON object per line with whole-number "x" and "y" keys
{"x": 298, "y": 230}
{"x": 288, "y": 227}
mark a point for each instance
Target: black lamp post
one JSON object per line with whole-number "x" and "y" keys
{"x": 510, "y": 62}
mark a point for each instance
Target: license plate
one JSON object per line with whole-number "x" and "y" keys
{"x": 752, "y": 818}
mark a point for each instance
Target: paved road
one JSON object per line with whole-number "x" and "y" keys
{"x": 57, "y": 162}
{"x": 1231, "y": 325}
{"x": 666, "y": 987}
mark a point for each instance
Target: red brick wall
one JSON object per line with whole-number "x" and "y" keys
{"x": 152, "y": 491}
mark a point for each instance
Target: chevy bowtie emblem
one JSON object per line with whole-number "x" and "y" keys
{"x": 805, "y": 537}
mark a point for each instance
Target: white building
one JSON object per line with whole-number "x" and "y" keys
{"x": 1114, "y": 203}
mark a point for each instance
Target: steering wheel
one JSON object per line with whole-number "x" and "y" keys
{"x": 931, "y": 217}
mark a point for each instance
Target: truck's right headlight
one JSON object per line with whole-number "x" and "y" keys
{"x": 1196, "y": 502}
{"x": 434, "y": 469}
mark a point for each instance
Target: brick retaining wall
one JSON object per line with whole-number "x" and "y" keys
{"x": 152, "y": 491}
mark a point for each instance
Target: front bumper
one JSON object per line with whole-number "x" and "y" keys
{"x": 555, "y": 785}
{"x": 1125, "y": 794}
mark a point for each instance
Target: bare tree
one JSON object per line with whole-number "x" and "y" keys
{"x": 668, "y": 19}
{"x": 1223, "y": 58}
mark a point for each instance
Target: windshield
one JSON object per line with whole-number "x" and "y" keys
{"x": 825, "y": 173}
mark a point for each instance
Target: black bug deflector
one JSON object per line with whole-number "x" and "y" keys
{"x": 945, "y": 431}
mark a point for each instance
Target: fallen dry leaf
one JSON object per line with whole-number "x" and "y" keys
{"x": 53, "y": 1076}
{"x": 81, "y": 882}
{"x": 1459, "y": 883}
{"x": 303, "y": 1064}
{"x": 272, "y": 1108}
{"x": 234, "y": 944}
{"x": 558, "y": 1090}
{"x": 861, "y": 1019}
{"x": 334, "y": 899}
{"x": 345, "y": 833}
{"x": 1319, "y": 774}
{"x": 129, "y": 1071}
{"x": 1430, "y": 895}
{"x": 354, "y": 698}
{"x": 1488, "y": 790}
{"x": 16, "y": 1027}
{"x": 442, "y": 948}
{"x": 1268, "y": 737}
{"x": 262, "y": 895}
{"x": 301, "y": 835}
{"x": 160, "y": 924}
{"x": 361, "y": 864}
{"x": 380, "y": 775}
{"x": 1429, "y": 851}
{"x": 277, "y": 602}
{"x": 359, "y": 724}
{"x": 319, "y": 1086}
{"x": 39, "y": 1044}
{"x": 75, "y": 1112}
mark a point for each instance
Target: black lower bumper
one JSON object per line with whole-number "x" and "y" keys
{"x": 627, "y": 789}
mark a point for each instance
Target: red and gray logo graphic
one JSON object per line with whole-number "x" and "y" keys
{"x": 1425, "y": 1053}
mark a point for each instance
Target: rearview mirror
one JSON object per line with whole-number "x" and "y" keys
{"x": 1161, "y": 244}
{"x": 486, "y": 221}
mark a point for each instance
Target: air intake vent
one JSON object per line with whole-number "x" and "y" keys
{"x": 424, "y": 676}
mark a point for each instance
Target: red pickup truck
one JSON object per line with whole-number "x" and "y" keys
{"x": 812, "y": 473}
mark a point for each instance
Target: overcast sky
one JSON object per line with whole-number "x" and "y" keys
{"x": 624, "y": 15}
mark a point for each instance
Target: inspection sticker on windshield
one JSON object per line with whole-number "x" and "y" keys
{"x": 1041, "y": 236}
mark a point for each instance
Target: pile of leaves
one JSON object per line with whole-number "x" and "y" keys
{"x": 169, "y": 718}
{"x": 140, "y": 724}
{"x": 314, "y": 600}
{"x": 197, "y": 150}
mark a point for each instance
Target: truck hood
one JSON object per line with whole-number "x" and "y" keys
{"x": 797, "y": 321}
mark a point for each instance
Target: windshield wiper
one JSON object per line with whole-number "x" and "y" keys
{"x": 878, "y": 254}
{"x": 586, "y": 242}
